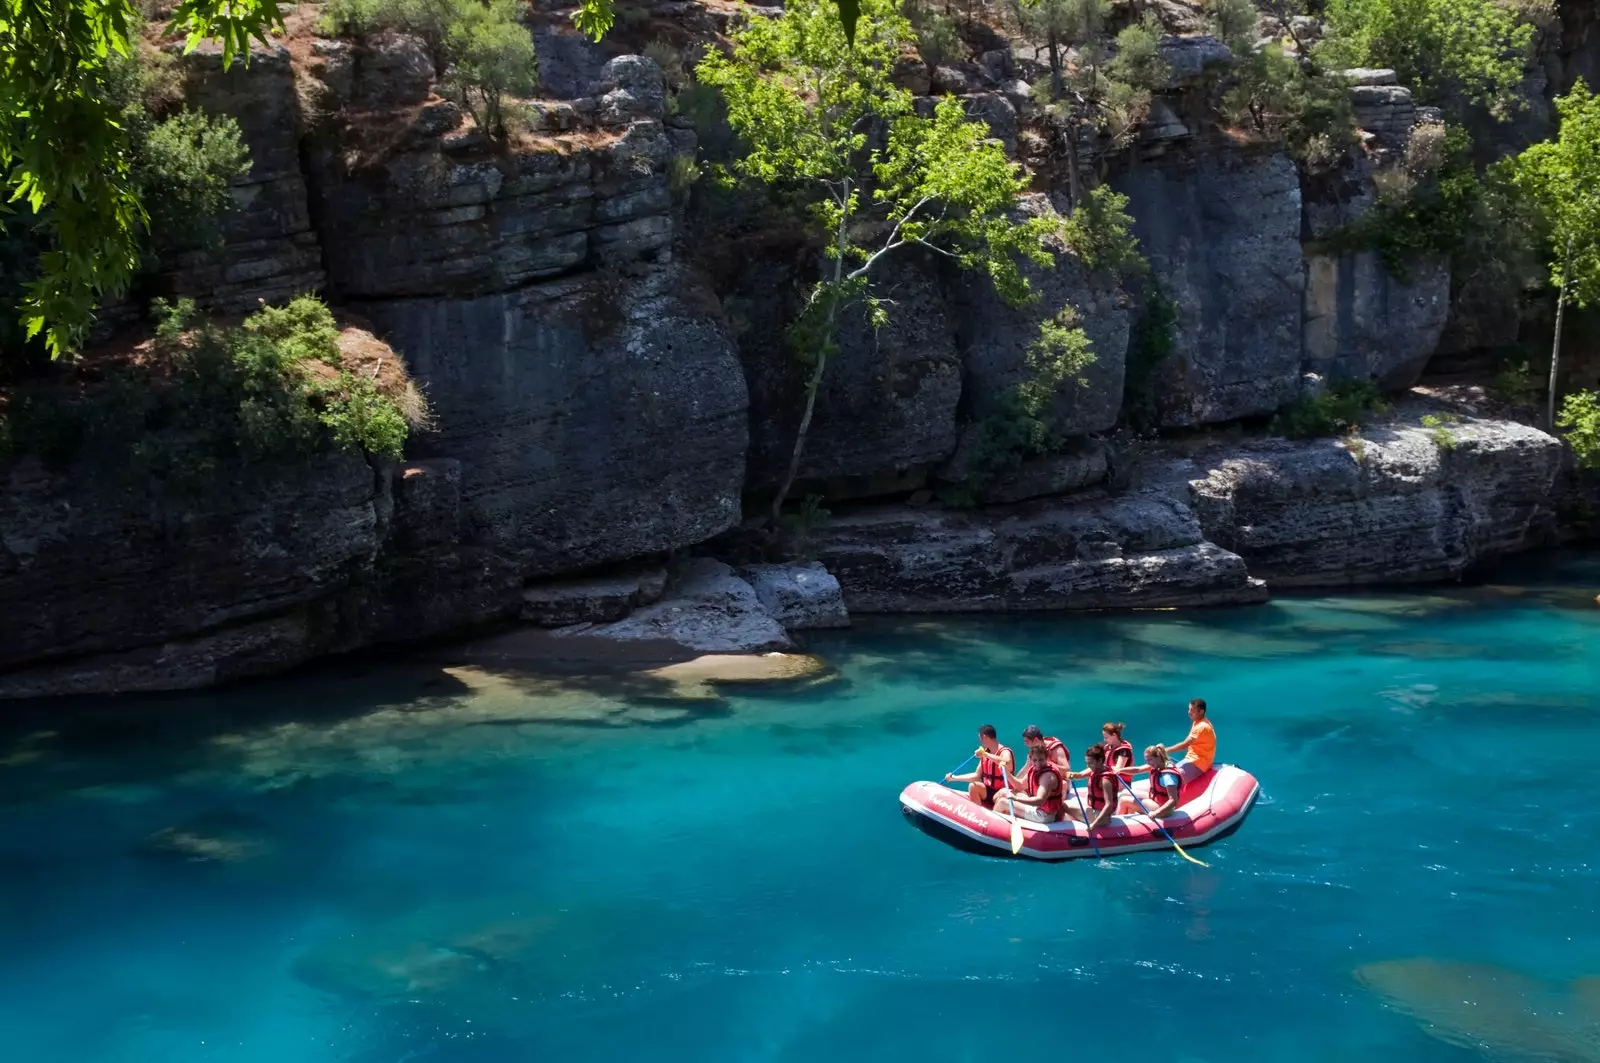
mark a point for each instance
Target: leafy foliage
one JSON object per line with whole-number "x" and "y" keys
{"x": 1579, "y": 421}
{"x": 494, "y": 57}
{"x": 64, "y": 147}
{"x": 1337, "y": 410}
{"x": 1278, "y": 95}
{"x": 1471, "y": 49}
{"x": 182, "y": 168}
{"x": 1100, "y": 233}
{"x": 1020, "y": 425}
{"x": 806, "y": 102}
{"x": 1560, "y": 182}
{"x": 214, "y": 399}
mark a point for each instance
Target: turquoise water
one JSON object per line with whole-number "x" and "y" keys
{"x": 419, "y": 864}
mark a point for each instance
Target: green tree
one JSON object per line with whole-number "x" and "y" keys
{"x": 1107, "y": 90}
{"x": 494, "y": 57}
{"x": 811, "y": 109}
{"x": 1474, "y": 49}
{"x": 1560, "y": 181}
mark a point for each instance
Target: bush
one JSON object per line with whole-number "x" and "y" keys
{"x": 1336, "y": 411}
{"x": 1450, "y": 50}
{"x": 938, "y": 41}
{"x": 1579, "y": 421}
{"x": 213, "y": 401}
{"x": 1154, "y": 336}
{"x": 1100, "y": 232}
{"x": 184, "y": 166}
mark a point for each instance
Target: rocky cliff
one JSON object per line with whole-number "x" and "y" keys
{"x": 605, "y": 392}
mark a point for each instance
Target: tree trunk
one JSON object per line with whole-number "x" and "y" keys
{"x": 1074, "y": 180}
{"x": 1555, "y": 359}
{"x": 815, "y": 383}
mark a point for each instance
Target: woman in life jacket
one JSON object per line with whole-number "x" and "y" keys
{"x": 1165, "y": 784}
{"x": 1119, "y": 752}
{"x": 1103, "y": 787}
{"x": 1037, "y": 796}
{"x": 994, "y": 761}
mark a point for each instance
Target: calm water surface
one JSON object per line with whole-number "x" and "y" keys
{"x": 419, "y": 864}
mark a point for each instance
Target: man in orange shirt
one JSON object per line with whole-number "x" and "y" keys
{"x": 1201, "y": 745}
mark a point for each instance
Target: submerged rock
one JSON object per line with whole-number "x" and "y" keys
{"x": 216, "y": 838}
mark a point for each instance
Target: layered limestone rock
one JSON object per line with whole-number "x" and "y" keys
{"x": 598, "y": 599}
{"x": 106, "y": 590}
{"x": 558, "y": 400}
{"x": 269, "y": 250}
{"x": 1223, "y": 238}
{"x": 1363, "y": 322}
{"x": 994, "y": 339}
{"x": 1402, "y": 504}
{"x": 1098, "y": 552}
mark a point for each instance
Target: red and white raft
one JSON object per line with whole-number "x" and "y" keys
{"x": 1211, "y": 805}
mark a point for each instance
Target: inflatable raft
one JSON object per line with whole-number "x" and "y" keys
{"x": 1211, "y": 805}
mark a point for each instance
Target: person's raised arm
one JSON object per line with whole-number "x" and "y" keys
{"x": 970, "y": 776}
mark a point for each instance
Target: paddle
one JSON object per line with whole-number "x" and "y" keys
{"x": 1011, "y": 809}
{"x": 958, "y": 767}
{"x": 1159, "y": 827}
{"x": 1085, "y": 812}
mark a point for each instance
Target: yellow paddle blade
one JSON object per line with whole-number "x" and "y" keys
{"x": 1016, "y": 837}
{"x": 1187, "y": 857}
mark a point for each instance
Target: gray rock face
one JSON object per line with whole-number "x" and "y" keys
{"x": 707, "y": 609}
{"x": 994, "y": 339}
{"x": 887, "y": 406}
{"x": 800, "y": 596}
{"x": 1089, "y": 554}
{"x": 1385, "y": 110}
{"x": 1316, "y": 515}
{"x": 600, "y": 599}
{"x": 1223, "y": 237}
{"x": 1188, "y": 58}
{"x": 998, "y": 113}
{"x": 557, "y": 400}
{"x": 269, "y": 249}
{"x": 1363, "y": 322}
{"x": 1083, "y": 464}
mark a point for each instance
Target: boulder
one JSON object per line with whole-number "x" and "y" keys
{"x": 1362, "y": 321}
{"x": 1189, "y": 58}
{"x": 801, "y": 596}
{"x": 997, "y": 112}
{"x": 707, "y": 609}
{"x": 556, "y": 400}
{"x": 1223, "y": 238}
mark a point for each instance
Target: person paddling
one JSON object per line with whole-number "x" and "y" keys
{"x": 994, "y": 761}
{"x": 1201, "y": 745}
{"x": 1037, "y": 796}
{"x": 1103, "y": 787}
{"x": 1165, "y": 785}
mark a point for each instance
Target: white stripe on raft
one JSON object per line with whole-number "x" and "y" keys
{"x": 1214, "y": 802}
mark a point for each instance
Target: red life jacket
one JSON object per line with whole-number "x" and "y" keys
{"x": 1159, "y": 793}
{"x": 1097, "y": 793}
{"x": 1052, "y": 805}
{"x": 1052, "y": 746}
{"x": 1119, "y": 755}
{"x": 991, "y": 774}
